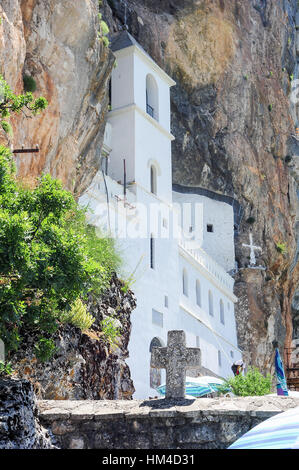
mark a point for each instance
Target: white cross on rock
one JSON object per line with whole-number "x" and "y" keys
{"x": 252, "y": 249}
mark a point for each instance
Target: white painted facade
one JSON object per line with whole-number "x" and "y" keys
{"x": 158, "y": 265}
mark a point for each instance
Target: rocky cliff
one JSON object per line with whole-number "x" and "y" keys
{"x": 231, "y": 115}
{"x": 86, "y": 365}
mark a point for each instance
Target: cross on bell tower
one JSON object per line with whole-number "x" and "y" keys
{"x": 176, "y": 358}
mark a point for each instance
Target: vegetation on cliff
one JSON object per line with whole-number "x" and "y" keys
{"x": 49, "y": 258}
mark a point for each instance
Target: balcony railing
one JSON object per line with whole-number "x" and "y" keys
{"x": 150, "y": 110}
{"x": 210, "y": 265}
{"x": 292, "y": 370}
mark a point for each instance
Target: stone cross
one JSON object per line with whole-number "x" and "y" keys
{"x": 252, "y": 248}
{"x": 176, "y": 358}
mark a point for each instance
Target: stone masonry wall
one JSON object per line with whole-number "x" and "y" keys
{"x": 204, "y": 423}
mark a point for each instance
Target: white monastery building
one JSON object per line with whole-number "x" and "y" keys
{"x": 177, "y": 243}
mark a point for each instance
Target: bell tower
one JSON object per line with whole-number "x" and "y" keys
{"x": 140, "y": 119}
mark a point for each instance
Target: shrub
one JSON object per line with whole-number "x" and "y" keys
{"x": 11, "y": 103}
{"x": 109, "y": 329}
{"x": 103, "y": 31}
{"x": 250, "y": 220}
{"x": 29, "y": 83}
{"x": 78, "y": 316}
{"x": 44, "y": 349}
{"x": 5, "y": 368}
{"x": 281, "y": 248}
{"x": 49, "y": 257}
{"x": 251, "y": 384}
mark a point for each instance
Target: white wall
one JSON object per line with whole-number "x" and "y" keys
{"x": 220, "y": 243}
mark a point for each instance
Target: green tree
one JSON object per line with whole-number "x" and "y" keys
{"x": 49, "y": 258}
{"x": 251, "y": 384}
{"x": 11, "y": 103}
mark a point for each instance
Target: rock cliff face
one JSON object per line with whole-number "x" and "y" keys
{"x": 231, "y": 115}
{"x": 19, "y": 424}
{"x": 233, "y": 63}
{"x": 56, "y": 43}
{"x": 85, "y": 365}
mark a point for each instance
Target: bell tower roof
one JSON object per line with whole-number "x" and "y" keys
{"x": 124, "y": 40}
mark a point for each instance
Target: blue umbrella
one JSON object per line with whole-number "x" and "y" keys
{"x": 279, "y": 432}
{"x": 282, "y": 388}
{"x": 193, "y": 389}
{"x": 198, "y": 387}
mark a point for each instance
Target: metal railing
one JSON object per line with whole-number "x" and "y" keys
{"x": 292, "y": 370}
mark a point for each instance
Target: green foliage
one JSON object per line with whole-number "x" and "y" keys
{"x": 250, "y": 220}
{"x": 5, "y": 368}
{"x": 288, "y": 159}
{"x": 44, "y": 349}
{"x": 281, "y": 248}
{"x": 270, "y": 107}
{"x": 109, "y": 330}
{"x": 103, "y": 31}
{"x": 245, "y": 77}
{"x": 49, "y": 257}
{"x": 78, "y": 316}
{"x": 29, "y": 83}
{"x": 11, "y": 103}
{"x": 251, "y": 384}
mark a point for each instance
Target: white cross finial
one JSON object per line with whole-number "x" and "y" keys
{"x": 252, "y": 248}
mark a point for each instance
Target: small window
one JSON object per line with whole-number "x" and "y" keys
{"x": 153, "y": 180}
{"x": 211, "y": 306}
{"x": 166, "y": 301}
{"x": 210, "y": 228}
{"x": 197, "y": 342}
{"x": 152, "y": 252}
{"x": 165, "y": 223}
{"x": 185, "y": 283}
{"x": 232, "y": 354}
{"x": 219, "y": 359}
{"x": 222, "y": 312}
{"x": 198, "y": 293}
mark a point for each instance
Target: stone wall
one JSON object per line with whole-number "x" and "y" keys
{"x": 19, "y": 425}
{"x": 204, "y": 423}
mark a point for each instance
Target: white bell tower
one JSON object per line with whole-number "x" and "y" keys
{"x": 140, "y": 119}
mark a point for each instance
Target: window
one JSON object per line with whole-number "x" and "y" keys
{"x": 153, "y": 180}
{"x": 185, "y": 283}
{"x": 219, "y": 358}
{"x": 222, "y": 312}
{"x": 232, "y": 354}
{"x": 210, "y": 228}
{"x": 197, "y": 342}
{"x": 152, "y": 252}
{"x": 198, "y": 293}
{"x": 152, "y": 107}
{"x": 211, "y": 307}
{"x": 166, "y": 301}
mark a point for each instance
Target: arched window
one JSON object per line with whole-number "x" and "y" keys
{"x": 198, "y": 293}
{"x": 222, "y": 311}
{"x": 211, "y": 307}
{"x": 185, "y": 282}
{"x": 153, "y": 179}
{"x": 152, "y": 100}
{"x": 152, "y": 252}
